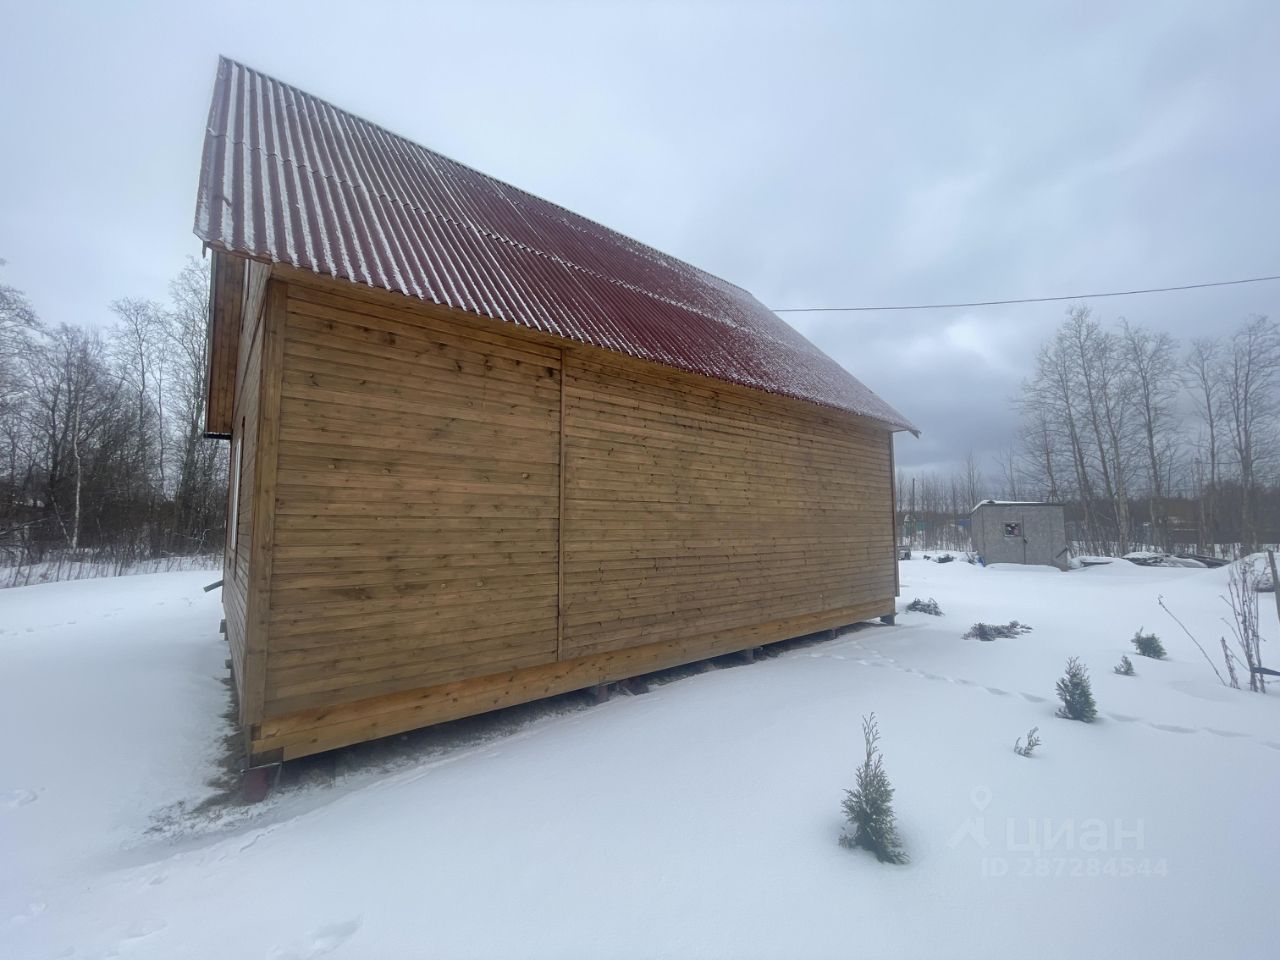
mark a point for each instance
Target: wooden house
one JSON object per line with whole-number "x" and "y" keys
{"x": 485, "y": 450}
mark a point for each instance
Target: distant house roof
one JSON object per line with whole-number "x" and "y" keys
{"x": 289, "y": 178}
{"x": 1015, "y": 503}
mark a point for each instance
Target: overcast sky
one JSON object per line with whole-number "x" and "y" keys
{"x": 816, "y": 154}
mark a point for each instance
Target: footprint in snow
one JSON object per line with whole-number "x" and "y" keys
{"x": 320, "y": 941}
{"x": 1171, "y": 728}
{"x": 997, "y": 691}
{"x": 143, "y": 928}
{"x": 1122, "y": 717}
{"x": 1032, "y": 698}
{"x": 18, "y": 798}
{"x": 1224, "y": 733}
{"x": 33, "y": 910}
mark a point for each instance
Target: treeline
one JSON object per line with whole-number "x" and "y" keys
{"x": 101, "y": 431}
{"x": 1149, "y": 442}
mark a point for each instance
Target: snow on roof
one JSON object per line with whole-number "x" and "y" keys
{"x": 1014, "y": 503}
{"x": 289, "y": 178}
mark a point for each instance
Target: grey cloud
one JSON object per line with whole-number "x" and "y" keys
{"x": 814, "y": 153}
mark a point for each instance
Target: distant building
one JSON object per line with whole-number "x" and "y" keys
{"x": 1012, "y": 532}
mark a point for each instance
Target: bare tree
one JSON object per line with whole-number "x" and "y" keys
{"x": 1058, "y": 396}
{"x": 1152, "y": 370}
{"x": 103, "y": 446}
{"x": 75, "y": 399}
{"x": 18, "y": 323}
{"x": 18, "y": 326}
{"x": 1251, "y": 384}
{"x": 138, "y": 347}
{"x": 973, "y": 481}
{"x": 201, "y": 463}
{"x": 1104, "y": 419}
{"x": 1007, "y": 462}
{"x": 1106, "y": 390}
{"x": 1201, "y": 372}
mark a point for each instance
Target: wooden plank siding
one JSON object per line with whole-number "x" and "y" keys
{"x": 243, "y": 428}
{"x": 427, "y": 458}
{"x": 466, "y": 515}
{"x": 226, "y": 285}
{"x": 691, "y": 510}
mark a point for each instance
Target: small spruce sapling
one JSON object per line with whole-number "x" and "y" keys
{"x": 1148, "y": 645}
{"x": 1124, "y": 667}
{"x": 1076, "y": 693}
{"x": 869, "y": 806}
{"x": 1032, "y": 742}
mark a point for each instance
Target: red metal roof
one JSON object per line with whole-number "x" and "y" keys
{"x": 292, "y": 179}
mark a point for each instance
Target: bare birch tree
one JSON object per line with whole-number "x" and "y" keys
{"x": 1151, "y": 359}
{"x": 1201, "y": 372}
{"x": 1251, "y": 383}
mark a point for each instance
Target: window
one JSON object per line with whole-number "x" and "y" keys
{"x": 1013, "y": 529}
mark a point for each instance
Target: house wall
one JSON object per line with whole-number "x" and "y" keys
{"x": 416, "y": 518}
{"x": 239, "y": 395}
{"x": 431, "y": 559}
{"x": 696, "y": 512}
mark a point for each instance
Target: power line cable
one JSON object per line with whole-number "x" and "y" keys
{"x": 1001, "y": 303}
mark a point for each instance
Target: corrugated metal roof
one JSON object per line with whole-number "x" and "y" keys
{"x": 292, "y": 179}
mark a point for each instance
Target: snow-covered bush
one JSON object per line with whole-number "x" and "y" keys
{"x": 1124, "y": 667}
{"x": 1076, "y": 693}
{"x": 869, "y": 806}
{"x": 1148, "y": 645}
{"x": 996, "y": 631}
{"x": 929, "y": 606}
{"x": 1032, "y": 742}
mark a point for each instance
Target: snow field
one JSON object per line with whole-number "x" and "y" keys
{"x": 699, "y": 819}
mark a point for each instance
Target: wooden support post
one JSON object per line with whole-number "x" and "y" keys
{"x": 890, "y": 618}
{"x": 258, "y": 782}
{"x": 634, "y": 687}
{"x": 748, "y": 655}
{"x": 600, "y": 692}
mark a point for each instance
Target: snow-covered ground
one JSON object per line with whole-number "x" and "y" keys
{"x": 699, "y": 819}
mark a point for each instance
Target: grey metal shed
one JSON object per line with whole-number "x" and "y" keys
{"x": 1005, "y": 531}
